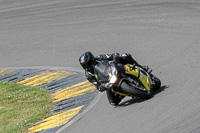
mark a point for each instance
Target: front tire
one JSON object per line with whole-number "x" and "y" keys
{"x": 127, "y": 88}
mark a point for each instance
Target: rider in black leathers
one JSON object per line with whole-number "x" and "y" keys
{"x": 88, "y": 61}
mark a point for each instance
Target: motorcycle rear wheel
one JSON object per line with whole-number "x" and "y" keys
{"x": 157, "y": 82}
{"x": 127, "y": 88}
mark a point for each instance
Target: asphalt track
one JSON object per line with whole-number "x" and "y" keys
{"x": 163, "y": 34}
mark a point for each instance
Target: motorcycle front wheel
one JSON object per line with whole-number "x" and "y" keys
{"x": 127, "y": 88}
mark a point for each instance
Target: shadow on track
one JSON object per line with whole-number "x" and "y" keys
{"x": 138, "y": 100}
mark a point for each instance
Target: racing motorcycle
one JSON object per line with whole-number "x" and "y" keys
{"x": 126, "y": 80}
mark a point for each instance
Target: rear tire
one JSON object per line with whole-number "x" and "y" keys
{"x": 157, "y": 82}
{"x": 134, "y": 92}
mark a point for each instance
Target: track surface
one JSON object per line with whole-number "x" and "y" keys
{"x": 163, "y": 34}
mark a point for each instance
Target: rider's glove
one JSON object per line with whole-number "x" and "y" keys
{"x": 104, "y": 87}
{"x": 101, "y": 89}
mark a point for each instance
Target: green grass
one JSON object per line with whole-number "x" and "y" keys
{"x": 21, "y": 106}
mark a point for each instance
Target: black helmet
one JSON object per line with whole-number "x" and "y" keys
{"x": 86, "y": 60}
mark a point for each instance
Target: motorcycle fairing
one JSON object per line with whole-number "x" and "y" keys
{"x": 101, "y": 71}
{"x": 120, "y": 93}
{"x": 138, "y": 72}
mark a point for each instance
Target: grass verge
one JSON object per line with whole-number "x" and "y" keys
{"x": 21, "y": 106}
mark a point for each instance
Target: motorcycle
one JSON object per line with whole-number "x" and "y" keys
{"x": 126, "y": 80}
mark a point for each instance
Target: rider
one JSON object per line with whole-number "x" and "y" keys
{"x": 88, "y": 61}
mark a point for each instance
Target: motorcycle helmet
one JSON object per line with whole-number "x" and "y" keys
{"x": 86, "y": 60}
